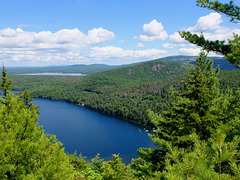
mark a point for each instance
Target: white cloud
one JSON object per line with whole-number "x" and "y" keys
{"x": 111, "y": 52}
{"x": 173, "y": 45}
{"x": 100, "y": 35}
{"x": 66, "y": 46}
{"x": 46, "y": 39}
{"x": 195, "y": 52}
{"x": 190, "y": 51}
{"x": 123, "y": 41}
{"x": 207, "y": 23}
{"x": 223, "y": 33}
{"x": 140, "y": 45}
{"x": 210, "y": 26}
{"x": 176, "y": 38}
{"x": 8, "y": 32}
{"x": 69, "y": 45}
{"x": 204, "y": 24}
{"x": 153, "y": 31}
{"x": 175, "y": 41}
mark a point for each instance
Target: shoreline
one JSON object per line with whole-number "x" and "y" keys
{"x": 137, "y": 123}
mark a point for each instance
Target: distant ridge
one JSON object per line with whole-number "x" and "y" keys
{"x": 94, "y": 68}
{"x": 126, "y": 92}
{"x": 222, "y": 62}
{"x": 78, "y": 68}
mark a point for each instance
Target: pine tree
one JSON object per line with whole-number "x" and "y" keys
{"x": 195, "y": 110}
{"x": 200, "y": 108}
{"x": 6, "y": 82}
{"x": 25, "y": 96}
{"x": 213, "y": 159}
{"x": 26, "y": 151}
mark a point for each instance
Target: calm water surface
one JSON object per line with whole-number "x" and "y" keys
{"x": 89, "y": 132}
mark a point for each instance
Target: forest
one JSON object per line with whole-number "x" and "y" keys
{"x": 197, "y": 123}
{"x": 208, "y": 125}
{"x": 126, "y": 92}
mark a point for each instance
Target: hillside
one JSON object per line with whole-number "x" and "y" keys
{"x": 125, "y": 92}
{"x": 94, "y": 68}
{"x": 84, "y": 69}
{"x": 217, "y": 61}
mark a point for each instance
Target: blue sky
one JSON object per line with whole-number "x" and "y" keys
{"x": 63, "y": 32}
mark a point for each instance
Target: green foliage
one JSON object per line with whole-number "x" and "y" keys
{"x": 228, "y": 9}
{"x": 230, "y": 50}
{"x": 97, "y": 169}
{"x": 195, "y": 110}
{"x": 115, "y": 169}
{"x": 199, "y": 107}
{"x": 116, "y": 92}
{"x": 234, "y": 55}
{"x": 6, "y": 82}
{"x": 216, "y": 46}
{"x": 25, "y": 96}
{"x": 202, "y": 109}
{"x": 127, "y": 92}
{"x": 26, "y": 152}
{"x": 213, "y": 159}
{"x": 149, "y": 163}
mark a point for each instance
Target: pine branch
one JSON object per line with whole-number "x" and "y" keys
{"x": 216, "y": 46}
{"x": 229, "y": 9}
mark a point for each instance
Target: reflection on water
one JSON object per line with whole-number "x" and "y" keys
{"x": 89, "y": 132}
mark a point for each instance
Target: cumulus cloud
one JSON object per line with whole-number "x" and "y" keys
{"x": 190, "y": 51}
{"x": 194, "y": 52}
{"x": 207, "y": 23}
{"x": 100, "y": 35}
{"x": 19, "y": 38}
{"x": 176, "y": 38}
{"x": 210, "y": 26}
{"x": 223, "y": 33}
{"x": 111, "y": 52}
{"x": 175, "y": 41}
{"x": 67, "y": 45}
{"x": 153, "y": 31}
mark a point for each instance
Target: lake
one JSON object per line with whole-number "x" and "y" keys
{"x": 54, "y": 74}
{"x": 90, "y": 132}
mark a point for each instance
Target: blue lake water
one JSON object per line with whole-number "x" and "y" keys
{"x": 89, "y": 132}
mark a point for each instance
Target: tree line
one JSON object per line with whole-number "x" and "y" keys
{"x": 197, "y": 134}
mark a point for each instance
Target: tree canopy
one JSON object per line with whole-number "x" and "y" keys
{"x": 26, "y": 151}
{"x": 199, "y": 112}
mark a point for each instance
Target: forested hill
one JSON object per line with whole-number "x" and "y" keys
{"x": 93, "y": 68}
{"x": 144, "y": 72}
{"x": 84, "y": 69}
{"x": 217, "y": 61}
{"x": 126, "y": 92}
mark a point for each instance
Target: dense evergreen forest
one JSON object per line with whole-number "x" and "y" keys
{"x": 197, "y": 123}
{"x": 125, "y": 92}
{"x": 198, "y": 133}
